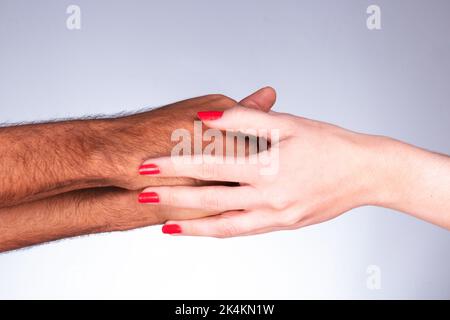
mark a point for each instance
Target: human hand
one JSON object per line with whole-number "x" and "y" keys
{"x": 323, "y": 171}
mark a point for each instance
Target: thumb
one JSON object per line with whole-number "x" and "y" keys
{"x": 263, "y": 99}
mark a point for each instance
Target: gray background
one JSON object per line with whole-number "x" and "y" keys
{"x": 324, "y": 63}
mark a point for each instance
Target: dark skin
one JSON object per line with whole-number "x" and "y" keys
{"x": 79, "y": 177}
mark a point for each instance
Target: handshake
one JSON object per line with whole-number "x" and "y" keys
{"x": 179, "y": 166}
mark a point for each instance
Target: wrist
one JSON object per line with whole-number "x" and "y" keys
{"x": 119, "y": 210}
{"x": 102, "y": 158}
{"x": 121, "y": 148}
{"x": 386, "y": 173}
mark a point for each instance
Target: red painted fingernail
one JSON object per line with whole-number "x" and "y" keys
{"x": 171, "y": 229}
{"x": 148, "y": 197}
{"x": 146, "y": 169}
{"x": 209, "y": 115}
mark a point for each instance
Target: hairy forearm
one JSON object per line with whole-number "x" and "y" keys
{"x": 70, "y": 214}
{"x": 65, "y": 215}
{"x": 44, "y": 159}
{"x": 80, "y": 212}
{"x": 41, "y": 160}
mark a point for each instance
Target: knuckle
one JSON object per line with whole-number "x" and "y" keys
{"x": 208, "y": 171}
{"x": 236, "y": 111}
{"x": 172, "y": 198}
{"x": 279, "y": 202}
{"x": 227, "y": 229}
{"x": 289, "y": 122}
{"x": 216, "y": 99}
{"x": 221, "y": 98}
{"x": 209, "y": 199}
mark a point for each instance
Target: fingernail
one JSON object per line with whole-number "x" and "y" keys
{"x": 209, "y": 115}
{"x": 171, "y": 228}
{"x": 146, "y": 169}
{"x": 148, "y": 197}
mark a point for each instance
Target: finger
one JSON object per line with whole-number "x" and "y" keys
{"x": 214, "y": 198}
{"x": 168, "y": 212}
{"x": 245, "y": 120}
{"x": 276, "y": 228}
{"x": 228, "y": 224}
{"x": 263, "y": 99}
{"x": 209, "y": 168}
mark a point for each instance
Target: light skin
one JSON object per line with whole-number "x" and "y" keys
{"x": 324, "y": 171}
{"x": 78, "y": 177}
